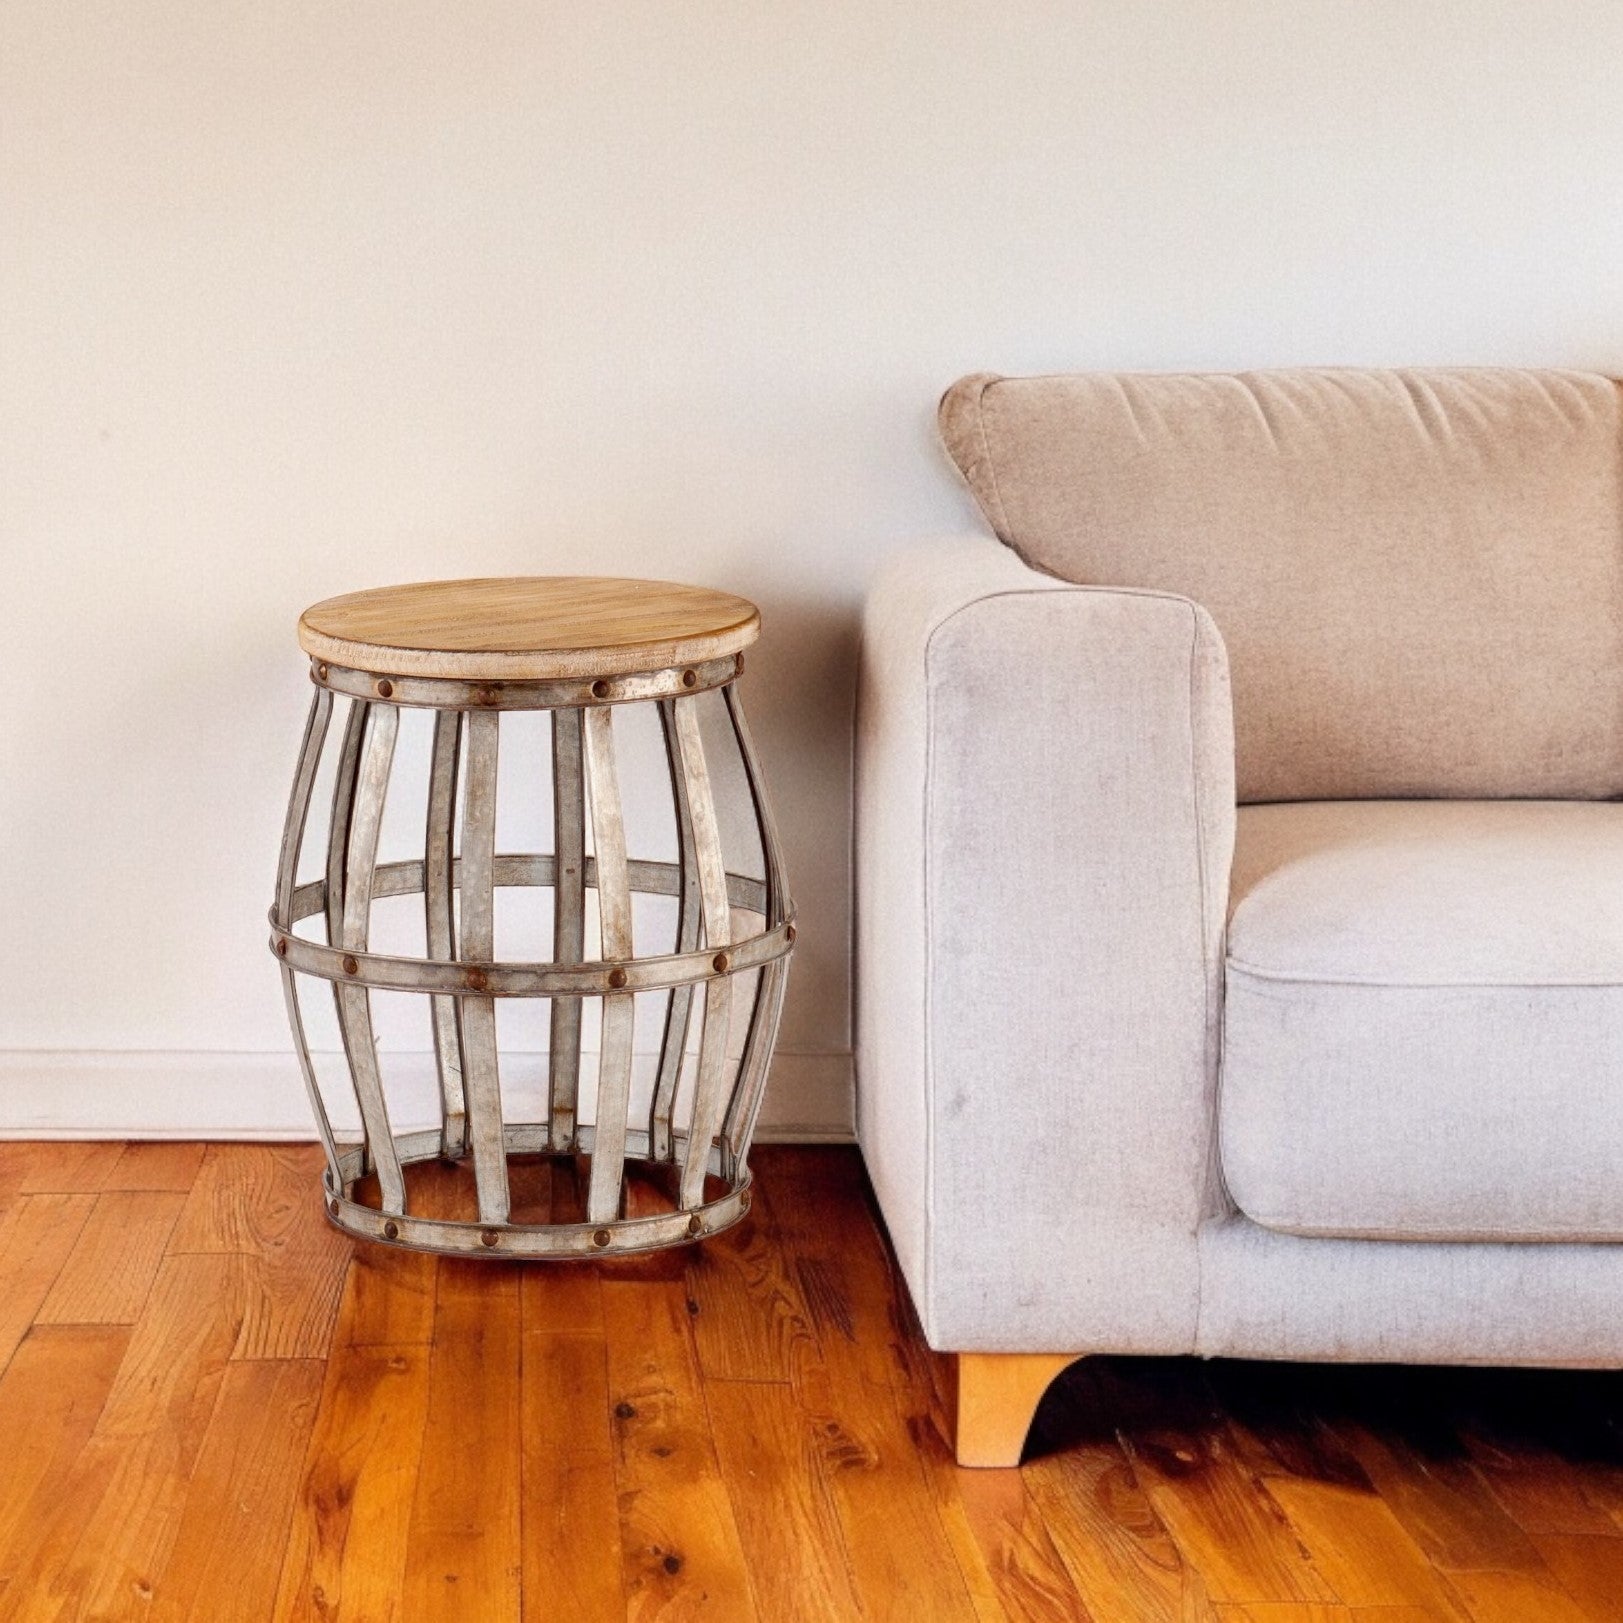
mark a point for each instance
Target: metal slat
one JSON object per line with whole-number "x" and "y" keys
{"x": 343, "y": 805}
{"x": 710, "y": 1094}
{"x": 614, "y": 910}
{"x": 767, "y": 1011}
{"x": 778, "y": 905}
{"x": 568, "y": 920}
{"x": 354, "y": 1002}
{"x": 523, "y": 868}
{"x": 481, "y": 1079}
{"x": 439, "y": 867}
{"x": 287, "y": 872}
{"x": 759, "y": 1044}
{"x": 679, "y": 1008}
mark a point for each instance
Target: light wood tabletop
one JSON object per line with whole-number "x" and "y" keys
{"x": 527, "y": 628}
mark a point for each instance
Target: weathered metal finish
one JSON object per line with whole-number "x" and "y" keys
{"x": 343, "y": 802}
{"x": 287, "y": 870}
{"x": 778, "y": 905}
{"x": 462, "y": 979}
{"x": 392, "y": 974}
{"x": 535, "y": 1240}
{"x": 709, "y": 1095}
{"x": 354, "y": 1002}
{"x": 745, "y": 1108}
{"x": 443, "y": 694}
{"x": 439, "y": 859}
{"x": 298, "y": 807}
{"x": 679, "y": 1009}
{"x": 479, "y": 1062}
{"x": 519, "y": 869}
{"x": 568, "y": 919}
{"x": 614, "y": 917}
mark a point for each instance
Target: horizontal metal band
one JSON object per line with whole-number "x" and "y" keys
{"x": 441, "y": 693}
{"x": 461, "y": 979}
{"x": 558, "y": 1240}
{"x": 517, "y": 869}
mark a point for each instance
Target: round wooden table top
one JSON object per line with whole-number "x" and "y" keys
{"x": 533, "y": 628}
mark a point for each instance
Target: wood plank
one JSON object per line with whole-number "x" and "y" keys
{"x": 109, "y": 1271}
{"x": 1589, "y": 1569}
{"x": 1234, "y": 1534}
{"x": 1515, "y": 1597}
{"x": 562, "y": 1299}
{"x": 571, "y": 1524}
{"x": 777, "y": 1483}
{"x": 465, "y": 1457}
{"x": 170, "y": 1165}
{"x": 62, "y": 1166}
{"x": 1113, "y": 1542}
{"x": 1361, "y": 1544}
{"x": 227, "y": 1554}
{"x": 463, "y": 1556}
{"x": 51, "y": 1396}
{"x": 263, "y": 1202}
{"x": 527, "y": 627}
{"x": 1291, "y": 1612}
{"x": 37, "y": 1235}
{"x": 1451, "y": 1513}
{"x": 748, "y": 1313}
{"x": 248, "y": 1196}
{"x": 99, "y": 1551}
{"x": 888, "y": 1512}
{"x": 1005, "y": 1550}
{"x": 999, "y": 1537}
{"x": 347, "y": 1542}
{"x": 680, "y": 1543}
{"x": 1540, "y": 1449}
{"x": 387, "y": 1299}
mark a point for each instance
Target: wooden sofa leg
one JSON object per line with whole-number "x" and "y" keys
{"x": 998, "y": 1393}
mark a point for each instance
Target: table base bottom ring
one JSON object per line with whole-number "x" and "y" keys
{"x": 555, "y": 1241}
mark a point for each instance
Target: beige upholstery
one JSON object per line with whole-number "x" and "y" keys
{"x": 1424, "y": 1020}
{"x": 1365, "y": 1102}
{"x": 1046, "y": 812}
{"x": 1418, "y": 575}
{"x": 1042, "y": 876}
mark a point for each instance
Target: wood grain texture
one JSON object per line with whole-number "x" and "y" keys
{"x": 527, "y": 628}
{"x": 679, "y": 1540}
{"x": 50, "y": 1399}
{"x": 110, "y": 1269}
{"x": 233, "y": 1534}
{"x": 260, "y": 1202}
{"x": 171, "y": 1166}
{"x": 60, "y": 1166}
{"x": 37, "y": 1234}
{"x": 571, "y": 1523}
{"x": 997, "y": 1397}
{"x": 463, "y": 1557}
{"x": 345, "y": 1560}
{"x": 748, "y": 1429}
{"x": 101, "y": 1549}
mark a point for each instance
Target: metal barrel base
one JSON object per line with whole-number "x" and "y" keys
{"x": 730, "y": 946}
{"x": 622, "y": 1236}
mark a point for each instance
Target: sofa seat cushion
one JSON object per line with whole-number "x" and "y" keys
{"x": 1423, "y": 1026}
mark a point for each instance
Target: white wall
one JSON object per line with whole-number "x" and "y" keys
{"x": 299, "y": 297}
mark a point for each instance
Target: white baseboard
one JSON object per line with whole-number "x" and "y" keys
{"x": 143, "y": 1094}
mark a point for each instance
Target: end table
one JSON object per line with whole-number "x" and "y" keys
{"x": 578, "y": 648}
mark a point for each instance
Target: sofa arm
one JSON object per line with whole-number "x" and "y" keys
{"x": 1045, "y": 823}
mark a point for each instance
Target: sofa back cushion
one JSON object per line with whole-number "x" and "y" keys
{"x": 1418, "y": 574}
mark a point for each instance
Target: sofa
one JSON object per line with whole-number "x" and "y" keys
{"x": 1240, "y": 878}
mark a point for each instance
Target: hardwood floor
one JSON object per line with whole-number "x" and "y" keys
{"x": 211, "y": 1407}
